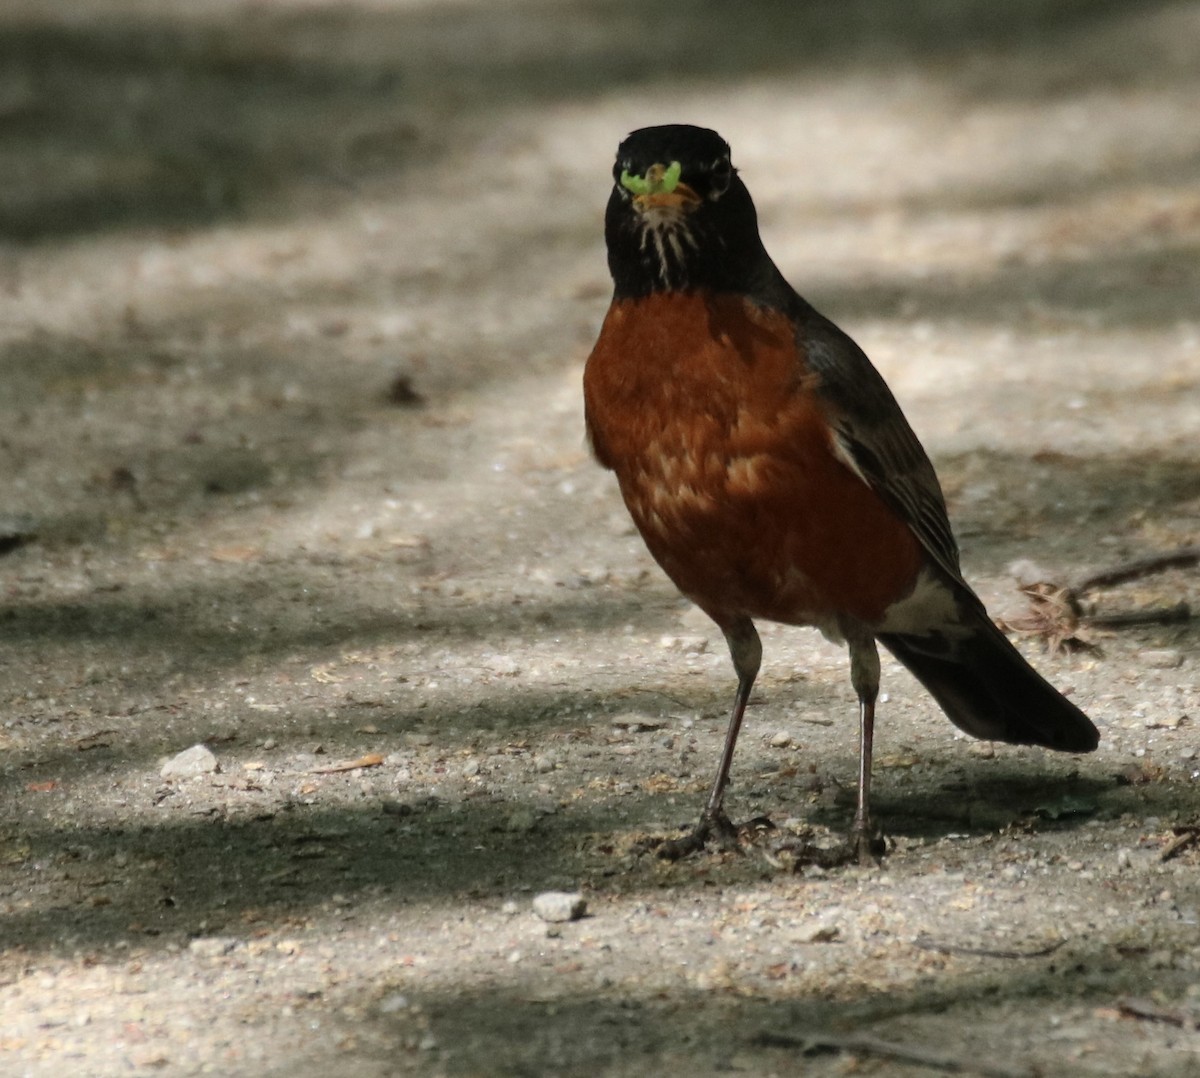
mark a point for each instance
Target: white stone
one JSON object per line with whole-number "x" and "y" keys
{"x": 198, "y": 760}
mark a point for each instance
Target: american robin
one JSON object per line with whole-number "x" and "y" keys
{"x": 771, "y": 472}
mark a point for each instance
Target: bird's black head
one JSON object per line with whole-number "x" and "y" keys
{"x": 679, "y": 218}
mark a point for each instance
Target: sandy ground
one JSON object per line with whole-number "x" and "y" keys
{"x": 293, "y": 312}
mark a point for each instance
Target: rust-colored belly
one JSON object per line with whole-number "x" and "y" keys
{"x": 705, "y": 409}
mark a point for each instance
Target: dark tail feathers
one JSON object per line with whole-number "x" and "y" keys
{"x": 989, "y": 691}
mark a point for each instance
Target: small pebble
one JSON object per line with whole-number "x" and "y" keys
{"x": 689, "y": 645}
{"x": 212, "y": 946}
{"x": 781, "y": 740}
{"x": 544, "y": 764}
{"x": 816, "y": 931}
{"x": 198, "y": 760}
{"x": 397, "y": 1001}
{"x": 470, "y": 768}
{"x": 558, "y": 906}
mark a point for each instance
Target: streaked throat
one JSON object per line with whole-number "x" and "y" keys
{"x": 667, "y": 245}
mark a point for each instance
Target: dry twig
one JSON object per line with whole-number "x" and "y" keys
{"x": 857, "y": 1044}
{"x": 1152, "y": 1012}
{"x": 1184, "y": 837}
{"x": 927, "y": 944}
{"x": 1184, "y": 558}
{"x": 1056, "y": 611}
{"x": 1151, "y": 615}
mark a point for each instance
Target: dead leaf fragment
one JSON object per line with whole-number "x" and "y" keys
{"x": 660, "y": 783}
{"x": 1053, "y": 616}
{"x": 98, "y": 740}
{"x": 236, "y": 554}
{"x": 372, "y": 759}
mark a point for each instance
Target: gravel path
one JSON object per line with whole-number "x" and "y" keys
{"x": 292, "y": 323}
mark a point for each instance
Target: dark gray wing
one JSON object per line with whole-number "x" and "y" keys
{"x": 875, "y": 439}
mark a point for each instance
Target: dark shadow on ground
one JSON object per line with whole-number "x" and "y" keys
{"x": 230, "y": 619}
{"x": 560, "y": 1024}
{"x": 271, "y": 626}
{"x": 1040, "y": 505}
{"x": 124, "y": 120}
{"x": 292, "y": 421}
{"x": 209, "y": 869}
{"x": 1056, "y": 494}
{"x": 1117, "y": 289}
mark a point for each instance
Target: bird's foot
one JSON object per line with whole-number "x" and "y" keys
{"x": 868, "y": 845}
{"x": 715, "y": 829}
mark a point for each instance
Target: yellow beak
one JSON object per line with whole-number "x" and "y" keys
{"x": 682, "y": 196}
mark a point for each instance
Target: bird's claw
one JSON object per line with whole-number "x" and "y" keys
{"x": 867, "y": 846}
{"x": 716, "y": 829}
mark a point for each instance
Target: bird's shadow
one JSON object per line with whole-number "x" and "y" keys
{"x": 972, "y": 805}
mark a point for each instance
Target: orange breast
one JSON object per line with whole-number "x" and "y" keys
{"x": 704, "y": 407}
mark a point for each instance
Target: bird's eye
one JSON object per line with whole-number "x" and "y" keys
{"x": 720, "y": 177}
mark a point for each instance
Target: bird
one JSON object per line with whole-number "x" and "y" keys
{"x": 772, "y": 474}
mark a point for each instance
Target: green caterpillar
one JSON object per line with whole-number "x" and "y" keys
{"x": 665, "y": 184}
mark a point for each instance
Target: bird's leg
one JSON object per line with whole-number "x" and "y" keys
{"x": 866, "y": 841}
{"x": 746, "y": 651}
